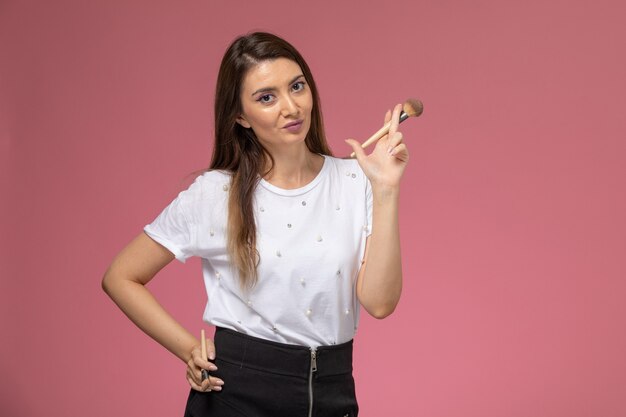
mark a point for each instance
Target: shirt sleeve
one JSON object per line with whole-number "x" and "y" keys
{"x": 173, "y": 230}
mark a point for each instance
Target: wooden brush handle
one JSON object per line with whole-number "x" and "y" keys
{"x": 203, "y": 345}
{"x": 205, "y": 373}
{"x": 380, "y": 133}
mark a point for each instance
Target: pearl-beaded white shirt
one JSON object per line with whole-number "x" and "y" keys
{"x": 310, "y": 240}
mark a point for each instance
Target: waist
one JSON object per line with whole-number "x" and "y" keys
{"x": 280, "y": 358}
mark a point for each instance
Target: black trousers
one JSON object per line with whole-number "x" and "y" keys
{"x": 264, "y": 378}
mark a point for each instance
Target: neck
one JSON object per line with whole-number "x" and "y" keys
{"x": 294, "y": 167}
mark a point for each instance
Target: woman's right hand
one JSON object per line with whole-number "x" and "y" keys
{"x": 197, "y": 363}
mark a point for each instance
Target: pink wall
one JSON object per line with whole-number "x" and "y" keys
{"x": 513, "y": 222}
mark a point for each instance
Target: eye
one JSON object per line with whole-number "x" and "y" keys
{"x": 265, "y": 98}
{"x": 299, "y": 86}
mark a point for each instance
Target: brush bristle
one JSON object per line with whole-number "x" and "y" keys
{"x": 413, "y": 107}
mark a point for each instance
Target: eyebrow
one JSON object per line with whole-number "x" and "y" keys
{"x": 268, "y": 89}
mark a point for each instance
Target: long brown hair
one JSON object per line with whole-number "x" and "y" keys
{"x": 237, "y": 150}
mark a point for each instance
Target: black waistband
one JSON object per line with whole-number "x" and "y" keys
{"x": 269, "y": 356}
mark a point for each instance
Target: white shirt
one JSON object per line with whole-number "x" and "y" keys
{"x": 310, "y": 240}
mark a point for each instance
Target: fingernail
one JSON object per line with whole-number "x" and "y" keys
{"x": 219, "y": 382}
{"x": 389, "y": 150}
{"x": 217, "y": 388}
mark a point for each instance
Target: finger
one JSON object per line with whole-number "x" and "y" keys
{"x": 207, "y": 385}
{"x": 210, "y": 349}
{"x": 197, "y": 384}
{"x": 356, "y": 148}
{"x": 393, "y": 128}
{"x": 199, "y": 379}
{"x": 193, "y": 384}
{"x": 395, "y": 119}
{"x": 401, "y": 152}
{"x": 394, "y": 141}
{"x": 196, "y": 372}
{"x": 210, "y": 384}
{"x": 215, "y": 383}
{"x": 193, "y": 374}
{"x": 200, "y": 375}
{"x": 202, "y": 363}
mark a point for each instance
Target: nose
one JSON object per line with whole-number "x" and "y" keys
{"x": 289, "y": 107}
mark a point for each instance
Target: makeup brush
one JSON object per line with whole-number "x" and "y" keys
{"x": 411, "y": 108}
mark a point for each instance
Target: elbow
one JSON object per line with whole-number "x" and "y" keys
{"x": 109, "y": 282}
{"x": 106, "y": 284}
{"x": 380, "y": 307}
{"x": 382, "y": 312}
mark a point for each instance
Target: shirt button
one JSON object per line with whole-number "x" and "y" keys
{"x": 308, "y": 312}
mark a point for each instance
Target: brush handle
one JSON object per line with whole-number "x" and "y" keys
{"x": 381, "y": 132}
{"x": 205, "y": 373}
{"x": 203, "y": 345}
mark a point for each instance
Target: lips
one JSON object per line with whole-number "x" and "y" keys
{"x": 293, "y": 126}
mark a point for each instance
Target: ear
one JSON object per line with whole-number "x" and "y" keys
{"x": 243, "y": 122}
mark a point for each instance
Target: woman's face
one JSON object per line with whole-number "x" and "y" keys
{"x": 276, "y": 103}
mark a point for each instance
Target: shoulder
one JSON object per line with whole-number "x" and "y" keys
{"x": 212, "y": 179}
{"x": 209, "y": 180}
{"x": 207, "y": 186}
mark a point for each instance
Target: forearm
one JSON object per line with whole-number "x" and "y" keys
{"x": 380, "y": 286}
{"x": 138, "y": 303}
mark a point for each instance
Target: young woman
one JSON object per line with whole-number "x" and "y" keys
{"x": 293, "y": 241}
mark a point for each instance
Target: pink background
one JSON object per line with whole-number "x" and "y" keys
{"x": 512, "y": 213}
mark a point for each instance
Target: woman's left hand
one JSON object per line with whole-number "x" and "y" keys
{"x": 385, "y": 165}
